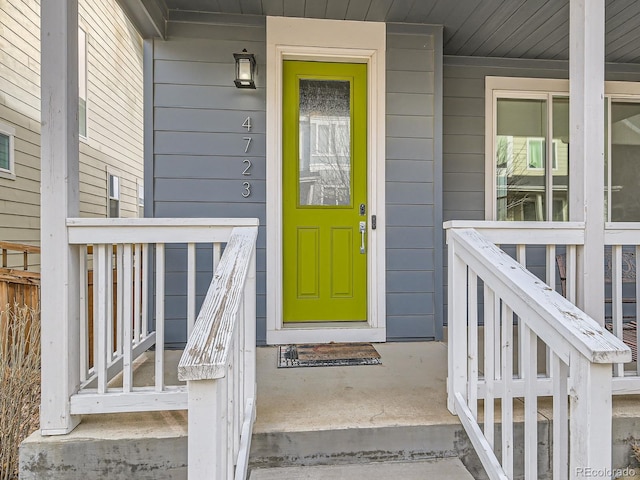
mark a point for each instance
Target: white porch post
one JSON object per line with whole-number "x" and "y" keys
{"x": 590, "y": 423}
{"x": 586, "y": 140}
{"x": 59, "y": 200}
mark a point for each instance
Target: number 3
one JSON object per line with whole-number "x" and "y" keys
{"x": 247, "y": 189}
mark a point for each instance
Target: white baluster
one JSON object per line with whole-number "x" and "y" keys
{"x": 159, "y": 317}
{"x": 559, "y": 374}
{"x": 490, "y": 318}
{"x": 472, "y": 344}
{"x": 616, "y": 300}
{"x": 507, "y": 393}
{"x": 530, "y": 357}
{"x": 191, "y": 287}
{"x": 83, "y": 282}
{"x": 126, "y": 322}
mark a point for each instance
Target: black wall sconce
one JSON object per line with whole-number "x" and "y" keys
{"x": 245, "y": 69}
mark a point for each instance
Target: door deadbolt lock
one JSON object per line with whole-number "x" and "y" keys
{"x": 363, "y": 209}
{"x": 363, "y": 230}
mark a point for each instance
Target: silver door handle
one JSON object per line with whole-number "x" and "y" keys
{"x": 363, "y": 229}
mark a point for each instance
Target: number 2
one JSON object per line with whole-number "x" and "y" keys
{"x": 247, "y": 124}
{"x": 247, "y": 189}
{"x": 246, "y": 170}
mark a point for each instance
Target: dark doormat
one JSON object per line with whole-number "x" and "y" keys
{"x": 327, "y": 355}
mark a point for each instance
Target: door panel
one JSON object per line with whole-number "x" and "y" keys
{"x": 308, "y": 263}
{"x": 324, "y": 184}
{"x": 341, "y": 262}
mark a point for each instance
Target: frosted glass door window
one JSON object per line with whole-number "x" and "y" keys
{"x": 325, "y": 143}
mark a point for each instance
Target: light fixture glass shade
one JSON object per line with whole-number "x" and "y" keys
{"x": 245, "y": 69}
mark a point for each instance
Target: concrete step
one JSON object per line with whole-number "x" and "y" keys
{"x": 144, "y": 446}
{"x": 336, "y": 416}
{"x": 445, "y": 468}
{"x": 394, "y": 412}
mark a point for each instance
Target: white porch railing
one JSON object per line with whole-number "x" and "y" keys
{"x": 624, "y": 241}
{"x": 538, "y": 245}
{"x": 581, "y": 353}
{"x": 119, "y": 254}
{"x": 218, "y": 365}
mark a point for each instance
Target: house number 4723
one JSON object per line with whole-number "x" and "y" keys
{"x": 246, "y": 192}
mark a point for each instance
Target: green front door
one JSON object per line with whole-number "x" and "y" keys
{"x": 324, "y": 192}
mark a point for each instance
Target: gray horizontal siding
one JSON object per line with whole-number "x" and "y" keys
{"x": 199, "y": 147}
{"x": 412, "y": 238}
{"x": 464, "y": 123}
{"x": 464, "y": 129}
{"x": 198, "y": 143}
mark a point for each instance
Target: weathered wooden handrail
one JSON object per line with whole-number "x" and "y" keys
{"x": 127, "y": 258}
{"x": 206, "y": 354}
{"x": 532, "y": 298}
{"x": 6, "y": 247}
{"x": 560, "y": 244}
{"x": 218, "y": 364}
{"x": 581, "y": 357}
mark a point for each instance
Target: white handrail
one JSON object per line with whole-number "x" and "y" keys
{"x": 151, "y": 230}
{"x": 122, "y": 330}
{"x": 218, "y": 364}
{"x": 525, "y": 233}
{"x": 206, "y": 354}
{"x": 532, "y": 298}
{"x": 577, "y": 344}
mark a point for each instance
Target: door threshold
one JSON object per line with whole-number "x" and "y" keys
{"x": 326, "y": 332}
{"x": 312, "y": 325}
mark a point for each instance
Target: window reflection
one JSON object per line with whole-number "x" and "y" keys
{"x": 522, "y": 163}
{"x": 625, "y": 162}
{"x": 325, "y": 142}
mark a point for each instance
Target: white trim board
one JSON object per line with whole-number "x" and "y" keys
{"x": 335, "y": 41}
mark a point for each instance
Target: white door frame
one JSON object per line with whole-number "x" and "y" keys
{"x": 333, "y": 41}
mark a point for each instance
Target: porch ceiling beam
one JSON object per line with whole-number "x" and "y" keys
{"x": 59, "y": 199}
{"x": 148, "y": 16}
{"x": 586, "y": 137}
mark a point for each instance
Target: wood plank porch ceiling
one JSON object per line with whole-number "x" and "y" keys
{"x": 488, "y": 28}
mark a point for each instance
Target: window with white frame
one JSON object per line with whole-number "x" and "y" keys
{"x": 113, "y": 190}
{"x": 528, "y": 151}
{"x": 530, "y": 155}
{"x": 622, "y": 159}
{"x": 140, "y": 189}
{"x": 82, "y": 82}
{"x": 7, "y": 154}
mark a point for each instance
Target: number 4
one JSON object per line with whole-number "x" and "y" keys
{"x": 247, "y": 124}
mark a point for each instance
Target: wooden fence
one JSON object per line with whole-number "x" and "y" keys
{"x": 21, "y": 286}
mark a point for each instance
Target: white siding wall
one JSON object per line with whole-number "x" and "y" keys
{"x": 20, "y": 108}
{"x": 114, "y": 112}
{"x": 114, "y": 108}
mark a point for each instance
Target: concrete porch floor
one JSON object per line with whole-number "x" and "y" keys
{"x": 305, "y": 416}
{"x": 408, "y": 389}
